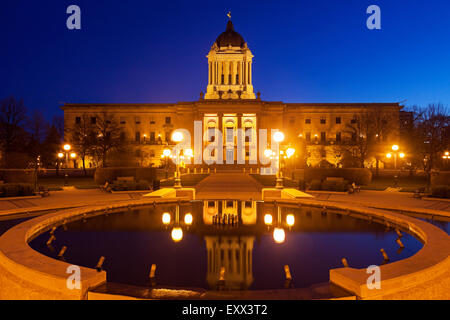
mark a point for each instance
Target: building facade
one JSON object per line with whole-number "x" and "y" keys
{"x": 321, "y": 132}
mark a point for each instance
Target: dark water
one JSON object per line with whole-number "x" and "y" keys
{"x": 133, "y": 240}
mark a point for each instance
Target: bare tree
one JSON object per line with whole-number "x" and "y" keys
{"x": 361, "y": 133}
{"x": 108, "y": 136}
{"x": 368, "y": 132}
{"x": 430, "y": 134}
{"x": 82, "y": 137}
{"x": 12, "y": 119}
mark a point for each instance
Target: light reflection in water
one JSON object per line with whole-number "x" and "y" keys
{"x": 247, "y": 252}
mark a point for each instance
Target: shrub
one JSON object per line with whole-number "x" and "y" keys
{"x": 315, "y": 185}
{"x": 440, "y": 179}
{"x": 122, "y": 185}
{"x": 18, "y": 175}
{"x": 16, "y": 190}
{"x": 341, "y": 186}
{"x": 110, "y": 174}
{"x": 358, "y": 175}
{"x": 440, "y": 192}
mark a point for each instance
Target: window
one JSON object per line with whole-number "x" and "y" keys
{"x": 353, "y": 137}
{"x": 323, "y": 137}
{"x": 237, "y": 78}
{"x": 308, "y": 120}
{"x": 338, "y": 120}
{"x": 137, "y": 120}
{"x": 230, "y": 135}
{"x": 308, "y": 136}
{"x": 152, "y": 120}
{"x": 122, "y": 120}
{"x": 78, "y": 120}
{"x": 323, "y": 120}
{"x": 168, "y": 120}
{"x": 338, "y": 137}
{"x": 138, "y": 136}
{"x": 292, "y": 121}
{"x": 354, "y": 120}
{"x": 93, "y": 120}
{"x": 152, "y": 136}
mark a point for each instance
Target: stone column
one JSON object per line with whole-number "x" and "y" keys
{"x": 250, "y": 73}
{"x": 233, "y": 72}
{"x": 227, "y": 71}
{"x": 209, "y": 72}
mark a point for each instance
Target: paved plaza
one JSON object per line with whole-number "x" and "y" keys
{"x": 223, "y": 186}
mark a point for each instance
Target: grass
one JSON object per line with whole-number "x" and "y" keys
{"x": 408, "y": 184}
{"x": 56, "y": 183}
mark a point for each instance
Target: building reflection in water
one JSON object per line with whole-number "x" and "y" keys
{"x": 245, "y": 210}
{"x": 234, "y": 254}
{"x": 229, "y": 257}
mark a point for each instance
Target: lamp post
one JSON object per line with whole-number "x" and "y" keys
{"x": 395, "y": 153}
{"x": 287, "y": 154}
{"x": 177, "y": 227}
{"x": 279, "y": 234}
{"x": 166, "y": 156}
{"x": 278, "y": 137}
{"x": 177, "y": 136}
{"x": 66, "y": 153}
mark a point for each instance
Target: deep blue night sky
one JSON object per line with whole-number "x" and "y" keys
{"x": 155, "y": 51}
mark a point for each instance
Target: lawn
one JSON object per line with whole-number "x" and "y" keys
{"x": 56, "y": 183}
{"x": 408, "y": 183}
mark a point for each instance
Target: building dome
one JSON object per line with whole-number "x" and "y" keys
{"x": 230, "y": 37}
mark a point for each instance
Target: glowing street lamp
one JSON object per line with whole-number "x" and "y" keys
{"x": 67, "y": 147}
{"x": 290, "y": 152}
{"x": 395, "y": 148}
{"x": 268, "y": 153}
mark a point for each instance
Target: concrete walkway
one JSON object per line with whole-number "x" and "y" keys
{"x": 390, "y": 200}
{"x": 63, "y": 199}
{"x": 229, "y": 186}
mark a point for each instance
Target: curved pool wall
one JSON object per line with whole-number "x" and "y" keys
{"x": 133, "y": 240}
{"x": 27, "y": 274}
